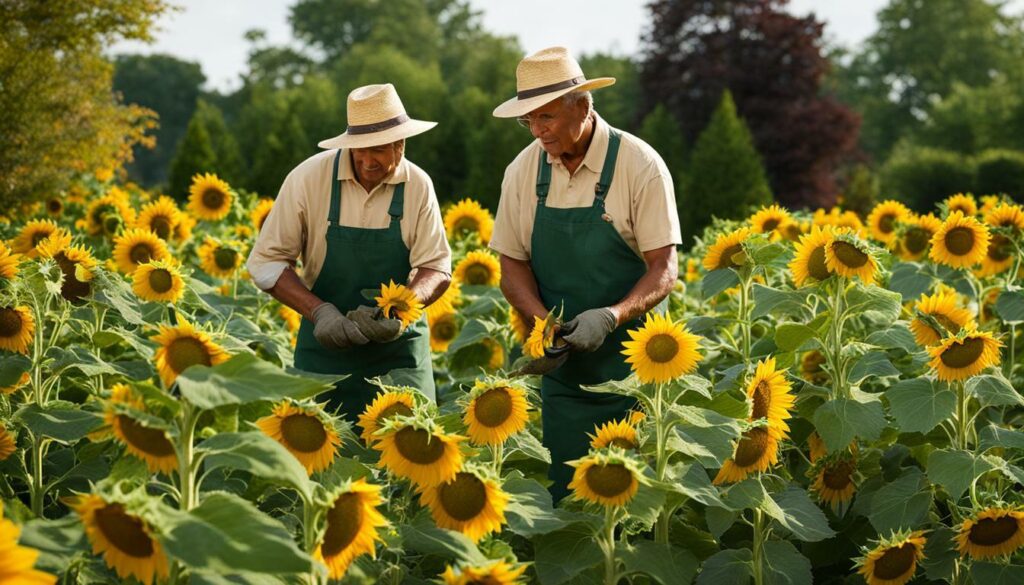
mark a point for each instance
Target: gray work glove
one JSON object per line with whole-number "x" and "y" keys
{"x": 333, "y": 330}
{"x": 375, "y": 329}
{"x": 586, "y": 332}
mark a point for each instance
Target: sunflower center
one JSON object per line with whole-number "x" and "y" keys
{"x": 949, "y": 324}
{"x": 999, "y": 248}
{"x": 726, "y": 261}
{"x": 145, "y": 439}
{"x": 609, "y": 480}
{"x": 111, "y": 223}
{"x": 467, "y": 224}
{"x": 54, "y": 205}
{"x": 849, "y": 254}
{"x": 100, "y": 212}
{"x": 39, "y": 237}
{"x": 838, "y": 475}
{"x": 185, "y": 352}
{"x": 395, "y": 409}
{"x": 993, "y": 531}
{"x": 126, "y": 533}
{"x": 478, "y": 274}
{"x": 622, "y": 443}
{"x": 303, "y": 432}
{"x": 10, "y": 322}
{"x": 344, "y": 520}
{"x": 464, "y": 497}
{"x": 895, "y": 561}
{"x": 161, "y": 226}
{"x": 816, "y": 266}
{"x": 662, "y": 348}
{"x": 225, "y": 258}
{"x": 419, "y": 446}
{"x": 493, "y": 407}
{"x": 762, "y": 400}
{"x": 444, "y": 329}
{"x": 141, "y": 253}
{"x": 398, "y": 306}
{"x": 72, "y": 289}
{"x": 160, "y": 280}
{"x": 916, "y": 240}
{"x": 963, "y": 354}
{"x": 770, "y": 224}
{"x": 959, "y": 241}
{"x": 752, "y": 447}
{"x": 213, "y": 198}
{"x": 887, "y": 223}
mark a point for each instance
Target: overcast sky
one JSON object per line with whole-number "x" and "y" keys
{"x": 211, "y": 32}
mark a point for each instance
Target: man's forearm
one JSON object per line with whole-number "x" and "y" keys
{"x": 653, "y": 286}
{"x": 428, "y": 285}
{"x": 289, "y": 290}
{"x": 519, "y": 286}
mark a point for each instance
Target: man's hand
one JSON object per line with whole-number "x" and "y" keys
{"x": 377, "y": 330}
{"x": 333, "y": 330}
{"x": 587, "y": 331}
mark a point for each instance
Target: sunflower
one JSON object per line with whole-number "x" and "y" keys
{"x": 816, "y": 447}
{"x": 769, "y": 220}
{"x": 847, "y": 255}
{"x": 31, "y": 235}
{"x": 107, "y": 215}
{"x": 292, "y": 318}
{"x": 125, "y": 539}
{"x": 76, "y": 263}
{"x": 616, "y": 433}
{"x": 495, "y": 354}
{"x": 727, "y": 251}
{"x": 809, "y": 258}
{"x": 894, "y": 560}
{"x": 446, "y": 303}
{"x": 148, "y": 444}
{"x": 220, "y": 259}
{"x": 183, "y": 346}
{"x": 17, "y": 328}
{"x": 661, "y": 350}
{"x": 420, "y": 451}
{"x": 260, "y": 213}
{"x": 883, "y": 219}
{"x": 209, "y": 197}
{"x": 771, "y": 397}
{"x": 998, "y": 257}
{"x": 833, "y": 481}
{"x": 158, "y": 281}
{"x": 16, "y": 562}
{"x": 21, "y": 381}
{"x": 965, "y": 204}
{"x": 8, "y": 444}
{"x": 353, "y": 524}
{"x": 444, "y": 328}
{"x": 793, "y": 229}
{"x": 496, "y": 410}
{"x": 915, "y": 234}
{"x": 160, "y": 217}
{"x": 838, "y": 219}
{"x": 608, "y": 478}
{"x": 305, "y": 432}
{"x": 961, "y": 242}
{"x": 989, "y": 202}
{"x": 541, "y": 337}
{"x": 811, "y": 368}
{"x": 399, "y": 302}
{"x": 183, "y": 230}
{"x": 756, "y": 451}
{"x": 471, "y": 503}
{"x": 8, "y": 263}
{"x": 1007, "y": 216}
{"x": 468, "y": 217}
{"x": 136, "y": 247}
{"x": 479, "y": 267}
{"x": 993, "y": 532}
{"x": 692, "y": 270}
{"x": 493, "y": 573}
{"x": 383, "y": 407}
{"x": 940, "y": 306}
{"x": 959, "y": 357}
{"x": 54, "y": 206}
{"x": 516, "y": 322}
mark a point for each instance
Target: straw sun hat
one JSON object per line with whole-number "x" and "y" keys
{"x": 376, "y": 116}
{"x": 545, "y": 76}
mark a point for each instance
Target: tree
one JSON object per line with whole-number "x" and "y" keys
{"x": 194, "y": 155}
{"x": 922, "y": 177}
{"x": 661, "y": 130}
{"x": 618, "y": 104}
{"x": 726, "y": 177}
{"x": 772, "y": 64}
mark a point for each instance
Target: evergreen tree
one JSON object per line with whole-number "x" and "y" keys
{"x": 195, "y": 154}
{"x": 661, "y": 130}
{"x": 227, "y": 155}
{"x": 726, "y": 177}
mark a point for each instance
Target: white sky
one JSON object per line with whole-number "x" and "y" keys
{"x": 211, "y": 32}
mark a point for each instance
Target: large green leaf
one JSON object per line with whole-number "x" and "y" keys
{"x": 243, "y": 379}
{"x": 908, "y": 281}
{"x": 258, "y": 454}
{"x": 529, "y": 446}
{"x": 733, "y": 566}
{"x": 840, "y": 420}
{"x": 12, "y": 367}
{"x": 918, "y": 405}
{"x": 772, "y": 301}
{"x": 422, "y": 535}
{"x": 226, "y": 534}
{"x": 994, "y": 436}
{"x": 561, "y": 555}
{"x": 664, "y": 563}
{"x": 1010, "y": 306}
{"x": 940, "y": 554}
{"x": 784, "y": 565}
{"x": 790, "y": 336}
{"x": 874, "y": 303}
{"x": 896, "y": 337}
{"x": 473, "y": 331}
{"x": 646, "y": 505}
{"x": 691, "y": 479}
{"x": 530, "y": 511}
{"x": 996, "y": 573}
{"x": 801, "y": 516}
{"x": 81, "y": 359}
{"x": 956, "y": 470}
{"x": 718, "y": 280}
{"x": 874, "y": 364}
{"x": 56, "y": 540}
{"x": 902, "y": 504}
{"x": 704, "y": 434}
{"x": 62, "y": 421}
{"x": 994, "y": 391}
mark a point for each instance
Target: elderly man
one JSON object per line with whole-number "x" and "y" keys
{"x": 358, "y": 215}
{"x": 586, "y": 220}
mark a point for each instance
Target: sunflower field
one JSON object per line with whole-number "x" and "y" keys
{"x": 829, "y": 399}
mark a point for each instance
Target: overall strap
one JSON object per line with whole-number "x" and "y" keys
{"x": 333, "y": 216}
{"x": 397, "y": 203}
{"x": 608, "y": 170}
{"x": 543, "y": 177}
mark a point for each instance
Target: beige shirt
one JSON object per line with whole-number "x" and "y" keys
{"x": 641, "y": 201}
{"x": 296, "y": 228}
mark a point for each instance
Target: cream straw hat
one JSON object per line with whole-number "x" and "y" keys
{"x": 545, "y": 76}
{"x": 375, "y": 117}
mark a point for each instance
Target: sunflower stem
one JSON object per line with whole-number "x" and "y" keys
{"x": 608, "y": 545}
{"x": 661, "y": 462}
{"x": 961, "y": 416}
{"x": 186, "y": 454}
{"x": 309, "y": 518}
{"x": 497, "y": 453}
{"x": 1011, "y": 354}
{"x": 836, "y": 350}
{"x": 38, "y": 491}
{"x": 744, "y": 317}
{"x": 758, "y": 546}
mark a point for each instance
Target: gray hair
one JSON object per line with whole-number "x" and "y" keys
{"x": 574, "y": 97}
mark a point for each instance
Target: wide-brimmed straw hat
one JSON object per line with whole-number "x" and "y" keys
{"x": 376, "y": 116}
{"x": 545, "y": 76}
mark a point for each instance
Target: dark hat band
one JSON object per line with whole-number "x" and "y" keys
{"x": 377, "y": 126}
{"x": 530, "y": 93}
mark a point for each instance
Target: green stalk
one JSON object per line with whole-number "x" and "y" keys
{"x": 309, "y": 520}
{"x": 1010, "y": 353}
{"x": 744, "y": 317}
{"x": 186, "y": 456}
{"x": 961, "y": 416}
{"x": 759, "y": 538}
{"x": 497, "y": 453}
{"x": 608, "y": 545}
{"x": 661, "y": 461}
{"x": 836, "y": 339}
{"x": 37, "y": 491}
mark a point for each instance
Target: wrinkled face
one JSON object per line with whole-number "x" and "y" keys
{"x": 376, "y": 162}
{"x": 557, "y": 126}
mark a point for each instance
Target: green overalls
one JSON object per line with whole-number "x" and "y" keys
{"x": 357, "y": 259}
{"x": 580, "y": 259}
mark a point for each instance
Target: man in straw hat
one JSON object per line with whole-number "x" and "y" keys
{"x": 586, "y": 221}
{"x": 357, "y": 215}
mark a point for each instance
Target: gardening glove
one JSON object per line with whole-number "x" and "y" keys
{"x": 333, "y": 330}
{"x": 586, "y": 332}
{"x": 377, "y": 330}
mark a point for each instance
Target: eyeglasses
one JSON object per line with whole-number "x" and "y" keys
{"x": 544, "y": 120}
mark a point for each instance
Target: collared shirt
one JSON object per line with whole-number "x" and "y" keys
{"x": 640, "y": 202}
{"x": 296, "y": 228}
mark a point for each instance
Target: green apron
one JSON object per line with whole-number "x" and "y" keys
{"x": 581, "y": 260}
{"x": 357, "y": 259}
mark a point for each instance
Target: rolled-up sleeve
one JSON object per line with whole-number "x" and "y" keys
{"x": 656, "y": 219}
{"x": 507, "y": 236}
{"x": 429, "y": 247}
{"x": 282, "y": 240}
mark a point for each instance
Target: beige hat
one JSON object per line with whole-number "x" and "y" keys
{"x": 545, "y": 76}
{"x": 376, "y": 116}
